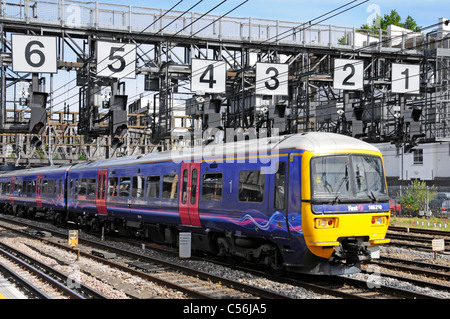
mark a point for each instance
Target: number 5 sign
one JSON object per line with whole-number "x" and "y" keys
{"x": 35, "y": 54}
{"x": 208, "y": 76}
{"x": 348, "y": 74}
{"x": 116, "y": 60}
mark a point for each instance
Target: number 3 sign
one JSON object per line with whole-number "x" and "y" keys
{"x": 272, "y": 78}
{"x": 35, "y": 54}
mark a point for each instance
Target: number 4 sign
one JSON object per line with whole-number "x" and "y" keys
{"x": 208, "y": 76}
{"x": 36, "y": 54}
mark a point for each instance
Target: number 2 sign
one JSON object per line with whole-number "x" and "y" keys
{"x": 35, "y": 54}
{"x": 116, "y": 60}
{"x": 348, "y": 74}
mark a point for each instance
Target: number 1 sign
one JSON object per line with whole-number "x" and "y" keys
{"x": 405, "y": 78}
{"x": 35, "y": 54}
{"x": 348, "y": 74}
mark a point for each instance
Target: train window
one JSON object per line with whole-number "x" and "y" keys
{"x": 44, "y": 186}
{"x": 83, "y": 184}
{"x": 280, "y": 183}
{"x": 112, "y": 186}
{"x": 138, "y": 186}
{"x": 153, "y": 183}
{"x": 33, "y": 187}
{"x": 184, "y": 188}
{"x": 251, "y": 186}
{"x": 124, "y": 186}
{"x": 212, "y": 186}
{"x": 76, "y": 187}
{"x": 170, "y": 186}
{"x": 51, "y": 185}
{"x": 7, "y": 188}
{"x": 92, "y": 185}
{"x": 194, "y": 186}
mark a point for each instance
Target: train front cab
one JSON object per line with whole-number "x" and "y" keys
{"x": 345, "y": 209}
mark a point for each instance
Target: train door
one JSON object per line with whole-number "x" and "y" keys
{"x": 11, "y": 189}
{"x": 278, "y": 194}
{"x": 39, "y": 191}
{"x": 100, "y": 200}
{"x": 189, "y": 194}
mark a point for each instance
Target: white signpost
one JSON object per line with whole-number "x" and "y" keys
{"x": 405, "y": 78}
{"x": 272, "y": 78}
{"x": 348, "y": 75}
{"x": 34, "y": 54}
{"x": 116, "y": 60}
{"x": 208, "y": 76}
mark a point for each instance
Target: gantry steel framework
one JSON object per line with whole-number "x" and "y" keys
{"x": 167, "y": 41}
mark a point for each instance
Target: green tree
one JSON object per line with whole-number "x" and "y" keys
{"x": 394, "y": 19}
{"x": 414, "y": 198}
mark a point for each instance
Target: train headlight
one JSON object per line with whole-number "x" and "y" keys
{"x": 325, "y": 223}
{"x": 379, "y": 220}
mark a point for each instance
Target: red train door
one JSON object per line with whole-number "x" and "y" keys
{"x": 39, "y": 191}
{"x": 101, "y": 191}
{"x": 189, "y": 194}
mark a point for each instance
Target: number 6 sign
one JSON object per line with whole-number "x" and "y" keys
{"x": 116, "y": 60}
{"x": 35, "y": 54}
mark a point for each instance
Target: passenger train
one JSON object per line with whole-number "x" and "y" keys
{"x": 313, "y": 203}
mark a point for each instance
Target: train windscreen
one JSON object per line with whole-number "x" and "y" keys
{"x": 347, "y": 178}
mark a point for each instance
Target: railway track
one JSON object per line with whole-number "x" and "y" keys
{"x": 193, "y": 283}
{"x": 36, "y": 279}
{"x": 160, "y": 272}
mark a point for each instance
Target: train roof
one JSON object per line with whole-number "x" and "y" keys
{"x": 316, "y": 142}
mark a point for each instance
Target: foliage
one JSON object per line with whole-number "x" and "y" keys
{"x": 395, "y": 19}
{"x": 414, "y": 198}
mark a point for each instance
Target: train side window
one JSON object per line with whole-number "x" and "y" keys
{"x": 194, "y": 186}
{"x": 251, "y": 186}
{"x": 153, "y": 184}
{"x": 138, "y": 186}
{"x": 212, "y": 184}
{"x": 112, "y": 186}
{"x": 7, "y": 187}
{"x": 92, "y": 185}
{"x": 33, "y": 187}
{"x": 76, "y": 187}
{"x": 170, "y": 186}
{"x": 124, "y": 186}
{"x": 45, "y": 187}
{"x": 1, "y": 188}
{"x": 280, "y": 186}
{"x": 83, "y": 184}
{"x": 184, "y": 188}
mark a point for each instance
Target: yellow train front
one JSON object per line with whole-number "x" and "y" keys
{"x": 344, "y": 204}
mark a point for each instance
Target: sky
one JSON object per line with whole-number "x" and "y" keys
{"x": 425, "y": 12}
